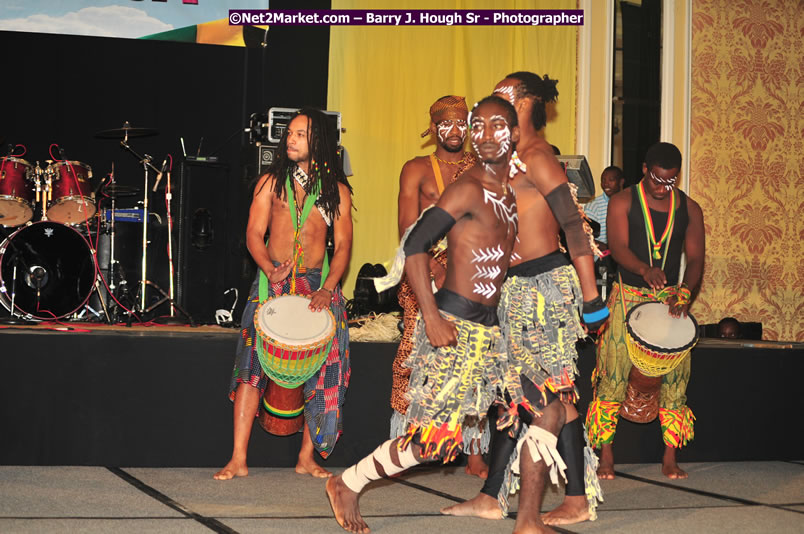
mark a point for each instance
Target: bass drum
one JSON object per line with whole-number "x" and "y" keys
{"x": 49, "y": 268}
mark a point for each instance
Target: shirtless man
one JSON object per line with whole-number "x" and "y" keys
{"x": 304, "y": 192}
{"x": 421, "y": 183}
{"x": 539, "y": 308}
{"x": 478, "y": 215}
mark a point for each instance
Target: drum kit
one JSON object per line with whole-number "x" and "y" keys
{"x": 51, "y": 221}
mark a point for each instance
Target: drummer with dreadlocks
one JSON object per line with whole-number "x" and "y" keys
{"x": 304, "y": 194}
{"x": 421, "y": 183}
{"x": 649, "y": 226}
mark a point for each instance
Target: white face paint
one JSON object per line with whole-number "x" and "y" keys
{"x": 507, "y": 92}
{"x": 445, "y": 127}
{"x": 666, "y": 184}
{"x": 501, "y": 134}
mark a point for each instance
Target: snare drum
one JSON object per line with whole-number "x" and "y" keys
{"x": 657, "y": 344}
{"x": 71, "y": 199}
{"x": 293, "y": 343}
{"x": 16, "y": 195}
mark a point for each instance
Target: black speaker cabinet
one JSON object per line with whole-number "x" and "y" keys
{"x": 210, "y": 234}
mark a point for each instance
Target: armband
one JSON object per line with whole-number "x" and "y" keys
{"x": 567, "y": 213}
{"x": 595, "y": 313}
{"x": 428, "y": 230}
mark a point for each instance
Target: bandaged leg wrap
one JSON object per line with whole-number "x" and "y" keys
{"x": 365, "y": 471}
{"x": 541, "y": 445}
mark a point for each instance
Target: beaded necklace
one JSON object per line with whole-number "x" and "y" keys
{"x": 654, "y": 245}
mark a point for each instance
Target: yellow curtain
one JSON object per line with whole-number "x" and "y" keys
{"x": 383, "y": 80}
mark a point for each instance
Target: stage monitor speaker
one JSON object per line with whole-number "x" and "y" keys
{"x": 578, "y": 173}
{"x": 210, "y": 232}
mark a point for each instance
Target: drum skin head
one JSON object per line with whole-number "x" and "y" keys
{"x": 653, "y": 325}
{"x": 289, "y": 320}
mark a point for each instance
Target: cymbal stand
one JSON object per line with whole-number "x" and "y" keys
{"x": 146, "y": 163}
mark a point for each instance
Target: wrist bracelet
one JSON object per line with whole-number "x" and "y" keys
{"x": 322, "y": 288}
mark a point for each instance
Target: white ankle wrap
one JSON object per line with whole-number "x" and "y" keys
{"x": 364, "y": 471}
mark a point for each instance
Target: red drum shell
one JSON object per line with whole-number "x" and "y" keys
{"x": 16, "y": 194}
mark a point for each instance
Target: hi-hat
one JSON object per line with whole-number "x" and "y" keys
{"x": 126, "y": 131}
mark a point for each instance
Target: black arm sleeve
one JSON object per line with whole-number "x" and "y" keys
{"x": 428, "y": 230}
{"x": 567, "y": 214}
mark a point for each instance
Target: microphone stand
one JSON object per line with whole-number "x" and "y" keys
{"x": 146, "y": 163}
{"x": 172, "y": 319}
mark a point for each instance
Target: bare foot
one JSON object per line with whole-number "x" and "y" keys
{"x": 477, "y": 467}
{"x": 670, "y": 468}
{"x": 482, "y": 506}
{"x": 231, "y": 470}
{"x": 605, "y": 470}
{"x": 309, "y": 467}
{"x": 574, "y": 509}
{"x": 344, "y": 505}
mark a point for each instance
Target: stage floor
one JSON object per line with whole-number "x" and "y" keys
{"x": 717, "y": 498}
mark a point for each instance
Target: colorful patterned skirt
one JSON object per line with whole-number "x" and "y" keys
{"x": 452, "y": 388}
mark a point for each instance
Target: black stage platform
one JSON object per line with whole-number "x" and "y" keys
{"x": 153, "y": 398}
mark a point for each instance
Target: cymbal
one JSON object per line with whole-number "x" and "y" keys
{"x": 126, "y": 131}
{"x": 119, "y": 191}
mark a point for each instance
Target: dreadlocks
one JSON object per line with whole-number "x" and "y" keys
{"x": 325, "y": 168}
{"x": 544, "y": 89}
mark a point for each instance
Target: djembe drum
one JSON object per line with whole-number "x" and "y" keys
{"x": 657, "y": 344}
{"x": 293, "y": 343}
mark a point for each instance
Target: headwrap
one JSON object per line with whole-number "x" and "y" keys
{"x": 446, "y": 108}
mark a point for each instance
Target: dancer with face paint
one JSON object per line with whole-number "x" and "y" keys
{"x": 304, "y": 192}
{"x": 542, "y": 299}
{"x": 457, "y": 369}
{"x": 421, "y": 183}
{"x": 649, "y": 225}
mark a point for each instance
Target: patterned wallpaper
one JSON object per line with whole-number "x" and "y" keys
{"x": 746, "y": 159}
